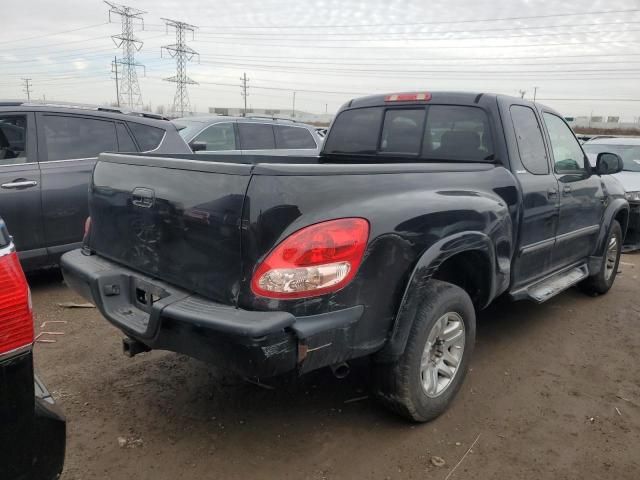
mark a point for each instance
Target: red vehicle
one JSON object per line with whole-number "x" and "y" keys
{"x": 32, "y": 432}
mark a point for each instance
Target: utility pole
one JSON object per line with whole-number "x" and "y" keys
{"x": 522, "y": 93}
{"x": 129, "y": 89}
{"x": 182, "y": 53}
{"x": 293, "y": 110}
{"x": 326, "y": 108}
{"x": 114, "y": 68}
{"x": 27, "y": 87}
{"x": 244, "y": 93}
{"x": 535, "y": 92}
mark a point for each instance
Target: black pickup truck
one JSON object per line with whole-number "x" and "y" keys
{"x": 421, "y": 210}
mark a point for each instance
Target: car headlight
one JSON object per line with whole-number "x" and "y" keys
{"x": 632, "y": 196}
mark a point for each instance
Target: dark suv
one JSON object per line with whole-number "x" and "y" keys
{"x": 47, "y": 153}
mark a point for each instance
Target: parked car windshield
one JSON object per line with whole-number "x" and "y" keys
{"x": 630, "y": 154}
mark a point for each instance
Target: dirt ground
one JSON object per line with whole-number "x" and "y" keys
{"x": 554, "y": 392}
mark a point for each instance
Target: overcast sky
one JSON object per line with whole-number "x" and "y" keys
{"x": 329, "y": 51}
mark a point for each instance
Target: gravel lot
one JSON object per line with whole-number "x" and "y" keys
{"x": 554, "y": 392}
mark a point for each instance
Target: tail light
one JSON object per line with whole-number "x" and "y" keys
{"x": 16, "y": 319}
{"x": 408, "y": 97}
{"x": 318, "y": 259}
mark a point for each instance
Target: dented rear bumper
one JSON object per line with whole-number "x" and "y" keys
{"x": 251, "y": 343}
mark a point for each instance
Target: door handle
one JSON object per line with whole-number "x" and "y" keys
{"x": 552, "y": 193}
{"x": 566, "y": 191}
{"x": 20, "y": 184}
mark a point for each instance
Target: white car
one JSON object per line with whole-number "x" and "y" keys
{"x": 628, "y": 148}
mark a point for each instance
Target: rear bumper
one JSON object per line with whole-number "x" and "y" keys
{"x": 251, "y": 343}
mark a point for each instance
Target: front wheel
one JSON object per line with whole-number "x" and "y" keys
{"x": 601, "y": 282}
{"x": 423, "y": 382}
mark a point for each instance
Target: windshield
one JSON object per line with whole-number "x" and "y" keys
{"x": 191, "y": 128}
{"x": 630, "y": 154}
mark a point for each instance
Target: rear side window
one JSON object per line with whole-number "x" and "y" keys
{"x": 69, "y": 137}
{"x": 457, "y": 133}
{"x": 125, "y": 142}
{"x": 147, "y": 137}
{"x": 13, "y": 139}
{"x": 530, "y": 141}
{"x": 449, "y": 132}
{"x": 402, "y": 131}
{"x": 218, "y": 137}
{"x": 256, "y": 136}
{"x": 293, "y": 137}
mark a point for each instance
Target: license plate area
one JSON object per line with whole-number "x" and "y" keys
{"x": 144, "y": 294}
{"x": 132, "y": 303}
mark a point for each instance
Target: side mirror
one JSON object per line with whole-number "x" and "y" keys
{"x": 608, "y": 163}
{"x": 198, "y": 146}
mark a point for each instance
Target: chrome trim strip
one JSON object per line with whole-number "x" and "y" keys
{"x": 7, "y": 250}
{"x": 15, "y": 352}
{"x": 70, "y": 160}
{"x": 534, "y": 247}
{"x": 578, "y": 233}
{"x": 18, "y": 164}
{"x": 164, "y": 135}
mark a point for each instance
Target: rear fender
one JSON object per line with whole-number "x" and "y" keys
{"x": 427, "y": 265}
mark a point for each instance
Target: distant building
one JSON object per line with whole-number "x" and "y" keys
{"x": 602, "y": 122}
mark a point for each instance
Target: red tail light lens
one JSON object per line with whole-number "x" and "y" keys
{"x": 318, "y": 259}
{"x": 408, "y": 97}
{"x": 16, "y": 319}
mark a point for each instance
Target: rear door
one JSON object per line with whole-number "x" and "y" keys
{"x": 295, "y": 140}
{"x": 540, "y": 198}
{"x": 581, "y": 195}
{"x": 69, "y": 146}
{"x": 257, "y": 139}
{"x": 20, "y": 186}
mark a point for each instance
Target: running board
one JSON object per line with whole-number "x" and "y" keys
{"x": 553, "y": 285}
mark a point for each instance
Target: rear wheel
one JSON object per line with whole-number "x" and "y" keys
{"x": 602, "y": 281}
{"x": 422, "y": 383}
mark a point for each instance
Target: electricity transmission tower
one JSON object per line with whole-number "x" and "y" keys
{"x": 27, "y": 87}
{"x": 183, "y": 54}
{"x": 129, "y": 89}
{"x": 244, "y": 93}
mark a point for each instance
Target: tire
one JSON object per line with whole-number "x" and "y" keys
{"x": 601, "y": 282}
{"x": 399, "y": 385}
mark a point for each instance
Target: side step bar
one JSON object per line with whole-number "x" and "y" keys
{"x": 553, "y": 285}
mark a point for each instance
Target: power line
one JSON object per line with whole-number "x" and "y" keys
{"x": 378, "y": 38}
{"x": 236, "y": 32}
{"x": 129, "y": 92}
{"x": 62, "y": 32}
{"x": 415, "y": 47}
{"x": 435, "y": 22}
{"x": 182, "y": 53}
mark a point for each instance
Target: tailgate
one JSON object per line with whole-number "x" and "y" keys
{"x": 174, "y": 220}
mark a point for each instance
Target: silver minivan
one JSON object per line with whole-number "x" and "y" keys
{"x": 249, "y": 135}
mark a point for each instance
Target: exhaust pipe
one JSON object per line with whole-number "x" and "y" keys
{"x": 341, "y": 370}
{"x": 131, "y": 347}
